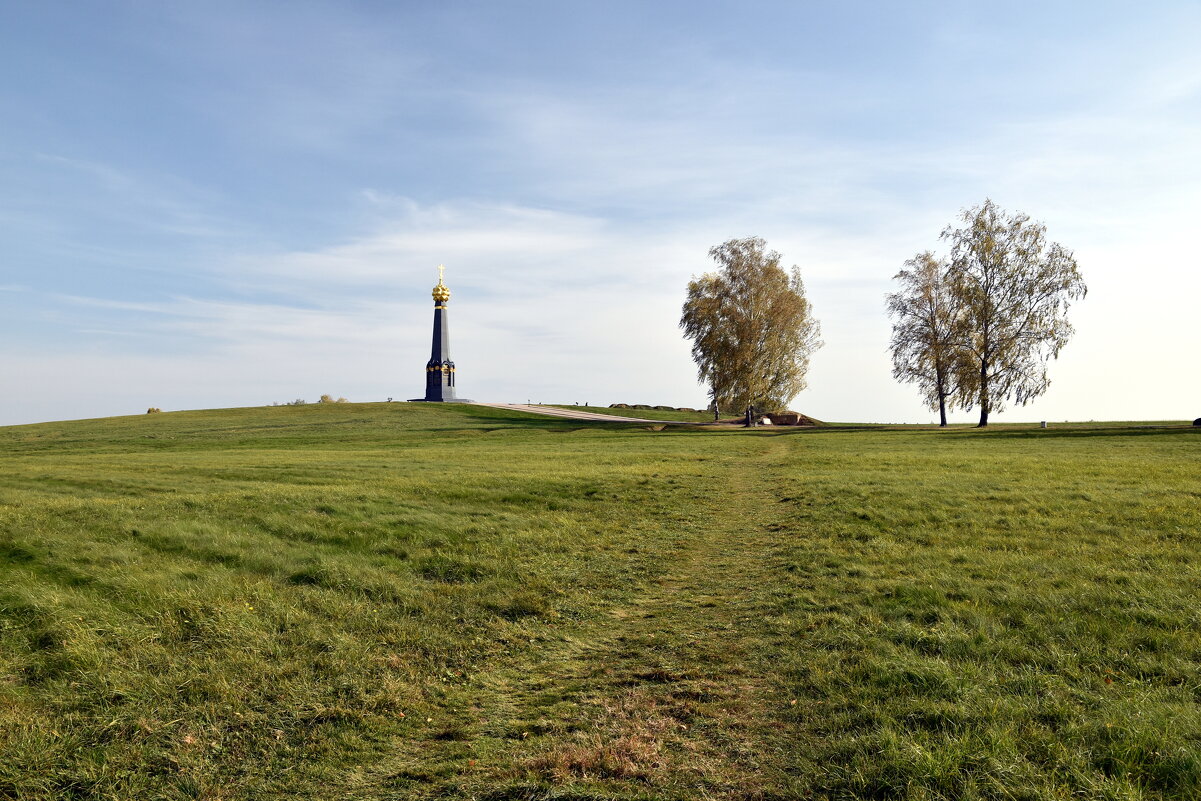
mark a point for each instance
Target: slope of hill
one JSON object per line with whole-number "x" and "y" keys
{"x": 385, "y": 601}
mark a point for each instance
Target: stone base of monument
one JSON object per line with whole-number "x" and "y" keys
{"x": 447, "y": 400}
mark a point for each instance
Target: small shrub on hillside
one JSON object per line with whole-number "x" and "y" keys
{"x": 330, "y": 399}
{"x": 154, "y": 410}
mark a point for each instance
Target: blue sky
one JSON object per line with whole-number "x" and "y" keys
{"x": 230, "y": 204}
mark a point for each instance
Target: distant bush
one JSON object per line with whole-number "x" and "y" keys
{"x": 619, "y": 405}
{"x": 330, "y": 399}
{"x": 153, "y": 410}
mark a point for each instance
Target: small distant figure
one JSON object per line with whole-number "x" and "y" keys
{"x": 389, "y": 400}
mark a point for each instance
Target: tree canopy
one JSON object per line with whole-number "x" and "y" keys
{"x": 751, "y": 326}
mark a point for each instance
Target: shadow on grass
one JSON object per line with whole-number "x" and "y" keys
{"x": 1083, "y": 433}
{"x": 964, "y": 433}
{"x": 1013, "y": 431}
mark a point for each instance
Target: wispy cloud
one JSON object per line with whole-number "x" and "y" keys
{"x": 166, "y": 204}
{"x": 494, "y": 250}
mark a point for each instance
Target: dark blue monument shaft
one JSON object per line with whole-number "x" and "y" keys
{"x": 440, "y": 370}
{"x": 440, "y": 351}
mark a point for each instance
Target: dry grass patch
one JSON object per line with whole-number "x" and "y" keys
{"x": 634, "y": 736}
{"x": 665, "y": 732}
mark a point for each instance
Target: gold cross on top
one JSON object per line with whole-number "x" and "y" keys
{"x": 440, "y": 269}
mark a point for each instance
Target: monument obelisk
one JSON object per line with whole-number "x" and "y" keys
{"x": 440, "y": 370}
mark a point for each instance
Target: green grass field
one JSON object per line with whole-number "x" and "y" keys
{"x": 393, "y": 601}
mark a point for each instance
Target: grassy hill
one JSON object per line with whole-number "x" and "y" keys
{"x": 386, "y": 601}
{"x": 647, "y": 414}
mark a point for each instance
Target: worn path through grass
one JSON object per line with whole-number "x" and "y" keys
{"x": 671, "y": 694}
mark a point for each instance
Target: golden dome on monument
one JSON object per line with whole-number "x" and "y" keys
{"x": 441, "y": 291}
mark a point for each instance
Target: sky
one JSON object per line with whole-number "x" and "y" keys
{"x": 221, "y": 204}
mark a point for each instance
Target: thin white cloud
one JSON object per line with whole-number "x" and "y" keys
{"x": 165, "y": 204}
{"x": 497, "y": 249}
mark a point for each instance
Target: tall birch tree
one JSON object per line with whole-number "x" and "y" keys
{"x": 1014, "y": 288}
{"x": 752, "y": 328}
{"x": 926, "y": 317}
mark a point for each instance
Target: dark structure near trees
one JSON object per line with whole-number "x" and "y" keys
{"x": 440, "y": 370}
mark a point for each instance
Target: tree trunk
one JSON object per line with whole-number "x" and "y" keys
{"x": 983, "y": 393}
{"x": 940, "y": 386}
{"x": 749, "y": 420}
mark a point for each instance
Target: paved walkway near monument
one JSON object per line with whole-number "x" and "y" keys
{"x": 574, "y": 414}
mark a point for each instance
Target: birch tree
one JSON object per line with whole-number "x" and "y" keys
{"x": 1014, "y": 288}
{"x": 752, "y": 328}
{"x": 925, "y": 332}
